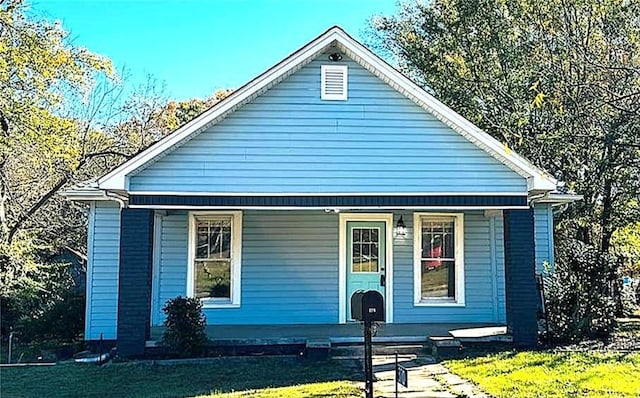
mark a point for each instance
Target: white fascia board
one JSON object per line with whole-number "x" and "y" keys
{"x": 537, "y": 179}
{"x": 116, "y": 179}
{"x": 559, "y": 198}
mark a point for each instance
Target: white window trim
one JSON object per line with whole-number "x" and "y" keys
{"x": 236, "y": 257}
{"x": 459, "y": 300}
{"x": 345, "y": 82}
{"x": 387, "y": 218}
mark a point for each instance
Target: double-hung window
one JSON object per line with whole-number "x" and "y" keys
{"x": 438, "y": 259}
{"x": 215, "y": 248}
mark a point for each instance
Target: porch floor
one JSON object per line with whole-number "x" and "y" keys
{"x": 343, "y": 334}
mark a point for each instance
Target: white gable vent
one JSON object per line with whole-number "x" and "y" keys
{"x": 333, "y": 82}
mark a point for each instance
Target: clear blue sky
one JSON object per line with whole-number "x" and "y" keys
{"x": 196, "y": 47}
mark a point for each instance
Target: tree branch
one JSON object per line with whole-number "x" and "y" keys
{"x": 44, "y": 199}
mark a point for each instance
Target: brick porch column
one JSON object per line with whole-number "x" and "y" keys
{"x": 134, "y": 287}
{"x": 521, "y": 288}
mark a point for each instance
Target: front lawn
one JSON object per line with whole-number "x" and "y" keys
{"x": 228, "y": 377}
{"x": 553, "y": 374}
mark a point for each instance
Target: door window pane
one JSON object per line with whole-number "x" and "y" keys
{"x": 364, "y": 249}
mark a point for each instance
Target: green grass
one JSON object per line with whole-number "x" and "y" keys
{"x": 228, "y": 377}
{"x": 553, "y": 374}
{"x": 326, "y": 390}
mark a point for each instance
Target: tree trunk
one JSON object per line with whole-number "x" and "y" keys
{"x": 605, "y": 219}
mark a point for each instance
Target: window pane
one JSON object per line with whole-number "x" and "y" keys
{"x": 448, "y": 246}
{"x": 213, "y": 238}
{"x": 220, "y": 239}
{"x": 202, "y": 247}
{"x": 438, "y": 279}
{"x": 438, "y": 239}
{"x": 364, "y": 250}
{"x": 213, "y": 279}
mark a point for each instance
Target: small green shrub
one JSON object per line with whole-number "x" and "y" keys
{"x": 184, "y": 326}
{"x": 581, "y": 293}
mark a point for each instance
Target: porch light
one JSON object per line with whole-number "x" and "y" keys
{"x": 401, "y": 228}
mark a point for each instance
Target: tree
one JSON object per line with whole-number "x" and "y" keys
{"x": 63, "y": 119}
{"x": 558, "y": 81}
{"x": 40, "y": 148}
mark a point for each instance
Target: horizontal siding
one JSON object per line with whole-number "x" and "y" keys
{"x": 173, "y": 261}
{"x": 288, "y": 140}
{"x": 290, "y": 270}
{"x": 102, "y": 277}
{"x": 543, "y": 222}
{"x": 480, "y": 304}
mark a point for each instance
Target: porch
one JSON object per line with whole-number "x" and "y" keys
{"x": 293, "y": 269}
{"x": 349, "y": 333}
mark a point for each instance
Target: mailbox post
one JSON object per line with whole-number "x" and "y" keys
{"x": 368, "y": 307}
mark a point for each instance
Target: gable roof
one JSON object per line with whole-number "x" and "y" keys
{"x": 537, "y": 179}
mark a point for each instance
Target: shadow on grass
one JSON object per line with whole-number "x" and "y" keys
{"x": 141, "y": 380}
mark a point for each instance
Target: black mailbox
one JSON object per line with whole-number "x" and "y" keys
{"x": 367, "y": 306}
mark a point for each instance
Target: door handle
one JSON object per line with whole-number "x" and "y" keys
{"x": 383, "y": 280}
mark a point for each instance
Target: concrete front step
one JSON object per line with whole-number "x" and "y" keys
{"x": 357, "y": 350}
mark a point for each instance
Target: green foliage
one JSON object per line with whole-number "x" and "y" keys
{"x": 61, "y": 319}
{"x": 62, "y": 120}
{"x": 184, "y": 326}
{"x": 44, "y": 306}
{"x": 626, "y": 244}
{"x": 558, "y": 81}
{"x": 581, "y": 294}
{"x": 42, "y": 148}
{"x": 629, "y": 299}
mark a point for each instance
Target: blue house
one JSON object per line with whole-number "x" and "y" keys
{"x": 330, "y": 172}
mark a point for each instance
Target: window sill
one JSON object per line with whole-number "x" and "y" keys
{"x": 436, "y": 303}
{"x": 211, "y": 305}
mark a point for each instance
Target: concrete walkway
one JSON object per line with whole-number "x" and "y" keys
{"x": 427, "y": 379}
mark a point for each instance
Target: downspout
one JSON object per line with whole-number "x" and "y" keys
{"x": 535, "y": 198}
{"x": 118, "y": 198}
